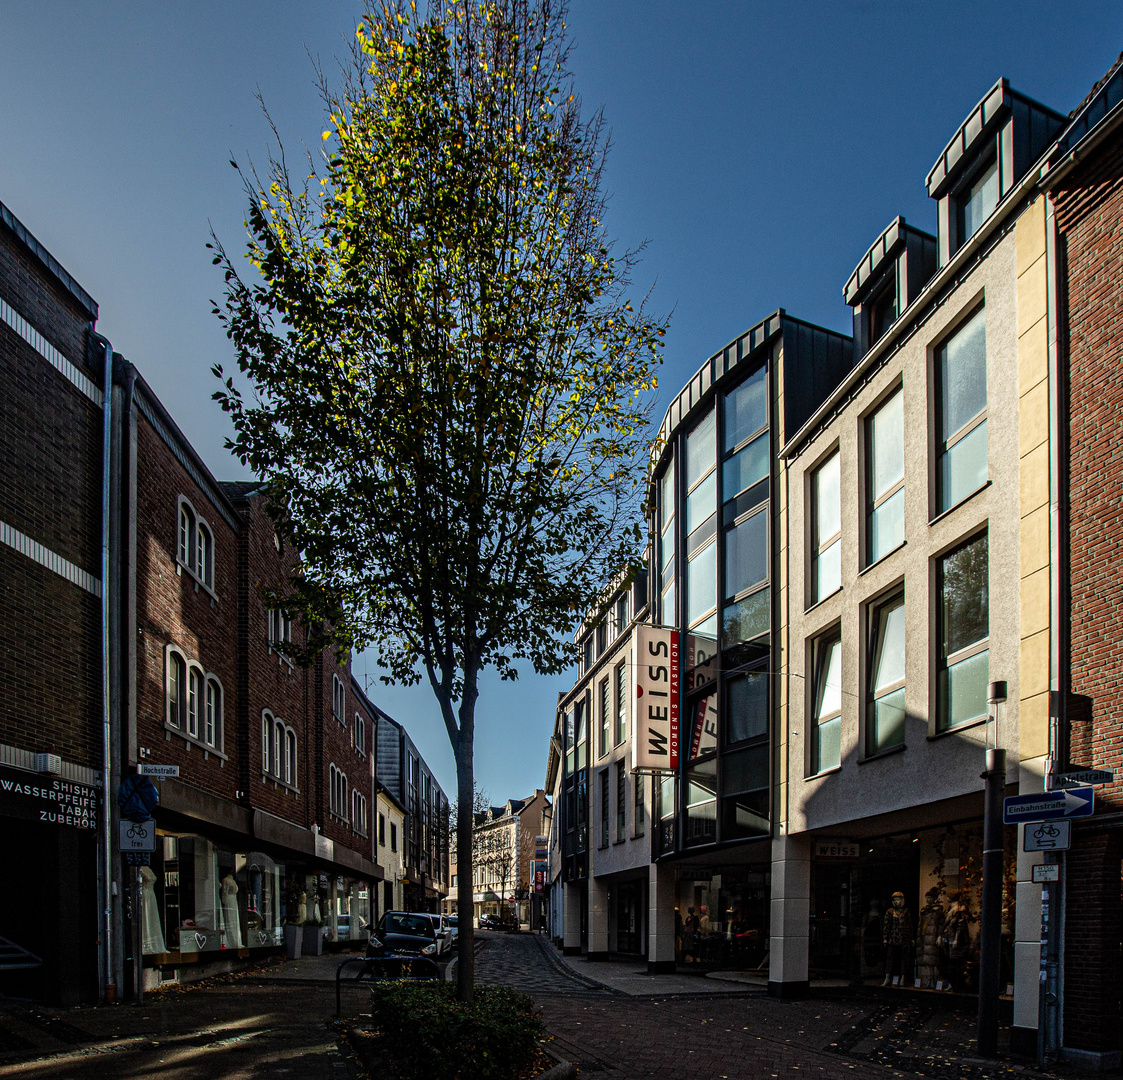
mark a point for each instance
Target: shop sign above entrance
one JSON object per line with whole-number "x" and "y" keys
{"x": 138, "y": 835}
{"x": 1047, "y": 836}
{"x": 159, "y": 772}
{"x": 655, "y": 676}
{"x": 1048, "y": 805}
{"x": 835, "y": 849}
{"x": 47, "y": 798}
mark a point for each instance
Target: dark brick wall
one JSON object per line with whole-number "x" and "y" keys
{"x": 172, "y": 608}
{"x": 1089, "y": 206}
{"x": 50, "y": 443}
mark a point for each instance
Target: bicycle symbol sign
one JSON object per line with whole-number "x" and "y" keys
{"x": 138, "y": 836}
{"x": 1047, "y": 836}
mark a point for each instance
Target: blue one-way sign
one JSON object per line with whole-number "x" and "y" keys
{"x": 1045, "y": 805}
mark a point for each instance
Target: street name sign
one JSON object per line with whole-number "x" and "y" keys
{"x": 1048, "y": 805}
{"x": 159, "y": 772}
{"x": 138, "y": 836}
{"x": 1077, "y": 777}
{"x": 1047, "y": 836}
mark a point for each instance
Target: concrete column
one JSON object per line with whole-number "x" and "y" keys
{"x": 1027, "y": 928}
{"x": 660, "y": 918}
{"x": 571, "y": 939}
{"x": 790, "y": 917}
{"x": 598, "y": 919}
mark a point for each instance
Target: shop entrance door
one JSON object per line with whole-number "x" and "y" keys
{"x": 830, "y": 919}
{"x": 629, "y": 925}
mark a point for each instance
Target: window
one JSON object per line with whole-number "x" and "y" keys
{"x": 621, "y": 799}
{"x": 393, "y": 836}
{"x": 826, "y": 530}
{"x": 961, "y": 406}
{"x": 883, "y": 312}
{"x": 976, "y": 203}
{"x": 668, "y": 614}
{"x": 582, "y": 745}
{"x": 827, "y": 716}
{"x": 278, "y": 750}
{"x": 746, "y": 554}
{"x": 701, "y": 522}
{"x": 176, "y": 690}
{"x": 570, "y": 743}
{"x": 701, "y": 803}
{"x": 744, "y": 788}
{"x": 204, "y": 556}
{"x": 358, "y": 813}
{"x": 337, "y": 792}
{"x": 964, "y": 627}
{"x": 587, "y": 655}
{"x": 638, "y": 810}
{"x": 604, "y": 808}
{"x": 602, "y": 637}
{"x": 885, "y": 706}
{"x": 885, "y": 478}
{"x": 605, "y": 717}
{"x": 338, "y": 700}
{"x": 746, "y": 409}
{"x": 746, "y": 707}
{"x": 194, "y": 699}
{"x": 360, "y": 734}
{"x": 212, "y": 722}
{"x": 280, "y": 629}
{"x": 194, "y": 545}
{"x": 621, "y": 704}
{"x": 621, "y": 613}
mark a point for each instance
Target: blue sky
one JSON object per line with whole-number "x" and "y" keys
{"x": 759, "y": 149}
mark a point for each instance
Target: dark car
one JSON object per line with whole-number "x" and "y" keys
{"x": 402, "y": 932}
{"x": 489, "y": 922}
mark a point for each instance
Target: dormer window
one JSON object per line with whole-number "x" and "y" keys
{"x": 976, "y": 202}
{"x": 883, "y": 312}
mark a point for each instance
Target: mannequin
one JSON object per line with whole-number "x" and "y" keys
{"x": 896, "y": 935}
{"x": 957, "y": 943}
{"x": 151, "y": 932}
{"x": 930, "y": 926}
{"x": 228, "y": 896}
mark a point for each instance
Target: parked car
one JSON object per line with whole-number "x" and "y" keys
{"x": 442, "y": 931}
{"x": 404, "y": 932}
{"x": 489, "y": 921}
{"x": 453, "y": 926}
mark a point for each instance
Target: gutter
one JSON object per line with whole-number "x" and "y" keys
{"x": 1050, "y": 175}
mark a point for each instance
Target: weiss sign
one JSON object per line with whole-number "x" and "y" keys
{"x": 655, "y": 670}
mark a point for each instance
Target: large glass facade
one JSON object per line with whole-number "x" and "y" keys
{"x": 725, "y": 616}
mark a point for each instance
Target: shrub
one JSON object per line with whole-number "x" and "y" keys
{"x": 429, "y": 1035}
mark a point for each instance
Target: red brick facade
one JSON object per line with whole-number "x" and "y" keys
{"x": 1089, "y": 213}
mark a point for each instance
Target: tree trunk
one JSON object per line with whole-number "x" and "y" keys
{"x": 466, "y": 956}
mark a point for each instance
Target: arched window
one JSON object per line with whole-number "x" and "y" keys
{"x": 204, "y": 556}
{"x": 212, "y": 720}
{"x": 290, "y": 757}
{"x": 176, "y": 689}
{"x": 186, "y": 553}
{"x": 279, "y": 750}
{"x": 338, "y": 699}
{"x": 337, "y": 800}
{"x": 360, "y": 734}
{"x": 194, "y": 700}
{"x": 266, "y": 742}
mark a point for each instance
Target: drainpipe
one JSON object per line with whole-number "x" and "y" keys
{"x": 108, "y": 759}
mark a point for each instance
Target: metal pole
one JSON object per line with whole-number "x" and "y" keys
{"x": 990, "y": 934}
{"x": 138, "y": 937}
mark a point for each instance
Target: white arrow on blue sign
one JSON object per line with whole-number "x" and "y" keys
{"x": 1047, "y": 805}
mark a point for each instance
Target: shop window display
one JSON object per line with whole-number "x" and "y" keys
{"x": 722, "y": 916}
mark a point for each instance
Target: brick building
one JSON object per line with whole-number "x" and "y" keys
{"x": 1085, "y": 184}
{"x": 51, "y": 633}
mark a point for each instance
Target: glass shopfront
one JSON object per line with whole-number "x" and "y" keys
{"x": 929, "y": 938}
{"x": 199, "y": 898}
{"x": 722, "y": 916}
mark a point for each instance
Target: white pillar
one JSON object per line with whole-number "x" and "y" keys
{"x": 598, "y": 919}
{"x": 660, "y": 918}
{"x": 571, "y": 941}
{"x": 790, "y": 916}
{"x": 1027, "y": 926}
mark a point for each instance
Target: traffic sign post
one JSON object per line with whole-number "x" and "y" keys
{"x": 1047, "y": 836}
{"x": 137, "y": 835}
{"x": 1049, "y": 805}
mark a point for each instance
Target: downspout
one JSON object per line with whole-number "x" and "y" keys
{"x": 108, "y": 937}
{"x": 1058, "y": 604}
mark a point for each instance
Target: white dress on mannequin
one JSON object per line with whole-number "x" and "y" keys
{"x": 228, "y": 895}
{"x": 151, "y": 932}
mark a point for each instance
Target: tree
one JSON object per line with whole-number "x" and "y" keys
{"x": 450, "y": 385}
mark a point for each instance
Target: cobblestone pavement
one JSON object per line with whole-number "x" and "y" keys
{"x": 525, "y": 962}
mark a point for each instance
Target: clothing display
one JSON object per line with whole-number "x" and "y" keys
{"x": 228, "y": 895}
{"x": 930, "y": 928}
{"x": 896, "y": 935}
{"x": 957, "y": 945}
{"x": 151, "y": 931}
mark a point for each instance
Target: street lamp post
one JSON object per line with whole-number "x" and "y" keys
{"x": 990, "y": 920}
